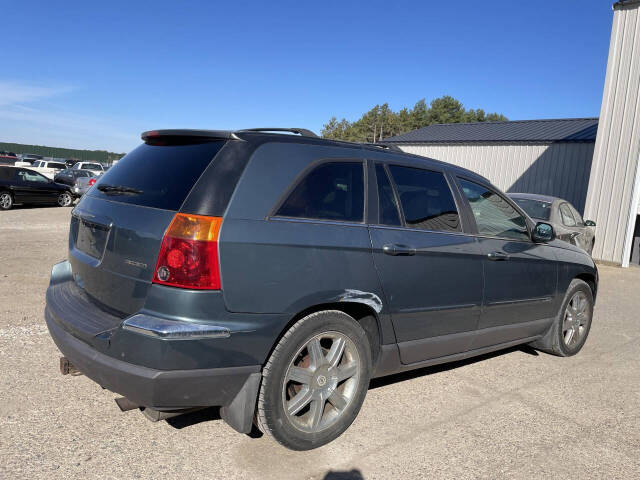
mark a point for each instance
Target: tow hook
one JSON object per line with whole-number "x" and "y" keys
{"x": 67, "y": 368}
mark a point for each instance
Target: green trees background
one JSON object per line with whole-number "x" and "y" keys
{"x": 381, "y": 122}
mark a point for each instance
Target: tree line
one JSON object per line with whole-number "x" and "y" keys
{"x": 102, "y": 156}
{"x": 381, "y": 122}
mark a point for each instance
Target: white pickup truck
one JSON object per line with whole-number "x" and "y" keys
{"x": 46, "y": 168}
{"x": 94, "y": 167}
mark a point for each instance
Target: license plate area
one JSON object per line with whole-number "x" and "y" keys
{"x": 91, "y": 237}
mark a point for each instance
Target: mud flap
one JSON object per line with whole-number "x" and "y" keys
{"x": 239, "y": 413}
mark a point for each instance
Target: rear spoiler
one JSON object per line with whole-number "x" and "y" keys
{"x": 157, "y": 135}
{"x": 154, "y": 135}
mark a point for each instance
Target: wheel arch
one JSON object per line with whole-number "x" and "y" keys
{"x": 364, "y": 314}
{"x": 589, "y": 279}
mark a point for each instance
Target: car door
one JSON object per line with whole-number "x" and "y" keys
{"x": 520, "y": 276}
{"x": 430, "y": 269}
{"x": 40, "y": 189}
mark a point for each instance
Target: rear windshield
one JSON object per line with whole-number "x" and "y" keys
{"x": 162, "y": 175}
{"x": 535, "y": 208}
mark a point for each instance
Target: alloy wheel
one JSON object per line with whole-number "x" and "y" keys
{"x": 5, "y": 200}
{"x": 576, "y": 319}
{"x": 321, "y": 381}
{"x": 64, "y": 200}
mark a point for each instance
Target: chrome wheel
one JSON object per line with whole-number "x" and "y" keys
{"x": 321, "y": 381}
{"x": 576, "y": 319}
{"x": 64, "y": 199}
{"x": 5, "y": 200}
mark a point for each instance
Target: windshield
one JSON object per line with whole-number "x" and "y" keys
{"x": 535, "y": 208}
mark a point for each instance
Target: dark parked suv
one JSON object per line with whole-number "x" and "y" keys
{"x": 274, "y": 275}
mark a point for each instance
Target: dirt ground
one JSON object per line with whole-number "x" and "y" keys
{"x": 513, "y": 414}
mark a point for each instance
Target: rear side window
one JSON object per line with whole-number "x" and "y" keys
{"x": 387, "y": 205}
{"x": 61, "y": 166}
{"x": 426, "y": 199}
{"x": 164, "y": 175}
{"x": 91, "y": 166}
{"x": 331, "y": 191}
{"x": 6, "y": 173}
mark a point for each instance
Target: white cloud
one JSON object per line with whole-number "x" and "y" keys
{"x": 15, "y": 93}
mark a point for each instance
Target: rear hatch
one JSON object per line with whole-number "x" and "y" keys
{"x": 118, "y": 226}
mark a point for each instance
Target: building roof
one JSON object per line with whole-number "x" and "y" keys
{"x": 554, "y": 130}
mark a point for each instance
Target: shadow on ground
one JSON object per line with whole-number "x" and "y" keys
{"x": 213, "y": 413}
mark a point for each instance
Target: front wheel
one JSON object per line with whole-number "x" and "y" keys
{"x": 570, "y": 329}
{"x": 6, "y": 201}
{"x": 65, "y": 199}
{"x": 315, "y": 381}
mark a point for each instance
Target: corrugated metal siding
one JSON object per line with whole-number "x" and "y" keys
{"x": 558, "y": 169}
{"x": 609, "y": 199}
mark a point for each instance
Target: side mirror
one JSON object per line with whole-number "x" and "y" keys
{"x": 542, "y": 233}
{"x": 590, "y": 223}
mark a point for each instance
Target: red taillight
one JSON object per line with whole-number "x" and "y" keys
{"x": 92, "y": 182}
{"x": 189, "y": 253}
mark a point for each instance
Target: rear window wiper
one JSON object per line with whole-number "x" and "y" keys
{"x": 118, "y": 189}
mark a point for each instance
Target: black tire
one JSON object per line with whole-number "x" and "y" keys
{"x": 65, "y": 199}
{"x": 295, "y": 430}
{"x": 555, "y": 340}
{"x": 6, "y": 200}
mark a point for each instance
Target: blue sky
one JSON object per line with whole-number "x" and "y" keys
{"x": 96, "y": 74}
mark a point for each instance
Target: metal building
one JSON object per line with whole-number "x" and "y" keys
{"x": 550, "y": 157}
{"x": 614, "y": 188}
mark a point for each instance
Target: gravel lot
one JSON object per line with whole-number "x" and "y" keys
{"x": 512, "y": 414}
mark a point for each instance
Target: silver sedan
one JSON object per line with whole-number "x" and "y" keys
{"x": 567, "y": 222}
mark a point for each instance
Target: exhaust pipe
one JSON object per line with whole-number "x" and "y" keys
{"x": 157, "y": 415}
{"x": 67, "y": 368}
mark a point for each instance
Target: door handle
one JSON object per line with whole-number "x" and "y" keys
{"x": 498, "y": 256}
{"x": 397, "y": 249}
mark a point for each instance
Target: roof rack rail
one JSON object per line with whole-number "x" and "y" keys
{"x": 384, "y": 146}
{"x": 300, "y": 131}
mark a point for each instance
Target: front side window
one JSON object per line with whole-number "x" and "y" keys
{"x": 387, "y": 205}
{"x": 331, "y": 191}
{"x": 567, "y": 216}
{"x": 494, "y": 216}
{"x": 576, "y": 216}
{"x": 427, "y": 202}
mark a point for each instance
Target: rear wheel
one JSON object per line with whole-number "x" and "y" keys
{"x": 315, "y": 381}
{"x": 65, "y": 199}
{"x": 571, "y": 327}
{"x": 6, "y": 201}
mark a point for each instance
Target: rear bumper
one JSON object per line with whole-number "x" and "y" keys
{"x": 159, "y": 389}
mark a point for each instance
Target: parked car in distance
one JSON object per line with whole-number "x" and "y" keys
{"x": 30, "y": 157}
{"x": 8, "y": 158}
{"x": 78, "y": 180}
{"x": 26, "y": 186}
{"x": 94, "y": 167}
{"x": 567, "y": 223}
{"x": 274, "y": 275}
{"x": 48, "y": 168}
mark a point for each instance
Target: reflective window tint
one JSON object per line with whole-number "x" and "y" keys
{"x": 494, "y": 215}
{"x": 387, "y": 206}
{"x": 426, "y": 199}
{"x": 331, "y": 191}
